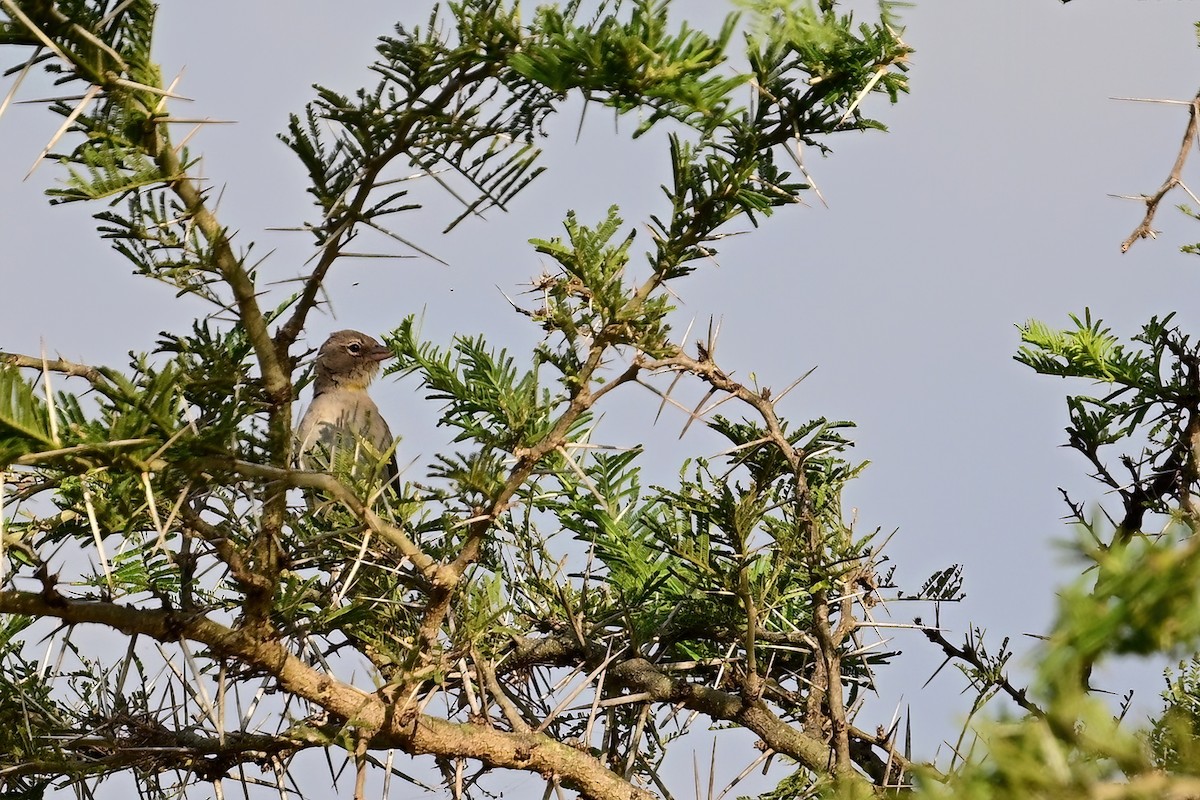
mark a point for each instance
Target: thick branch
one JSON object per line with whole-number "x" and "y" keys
{"x": 638, "y": 675}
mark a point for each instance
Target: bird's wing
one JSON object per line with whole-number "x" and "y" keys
{"x": 378, "y": 433}
{"x": 307, "y": 431}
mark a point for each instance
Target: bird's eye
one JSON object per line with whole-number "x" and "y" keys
{"x": 354, "y": 347}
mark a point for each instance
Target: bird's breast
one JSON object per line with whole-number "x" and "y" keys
{"x": 342, "y": 418}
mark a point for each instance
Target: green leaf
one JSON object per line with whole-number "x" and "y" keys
{"x": 24, "y": 418}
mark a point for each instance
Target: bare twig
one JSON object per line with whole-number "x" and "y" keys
{"x": 1144, "y": 229}
{"x": 968, "y": 655}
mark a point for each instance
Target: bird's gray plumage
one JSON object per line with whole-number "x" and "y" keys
{"x": 343, "y": 421}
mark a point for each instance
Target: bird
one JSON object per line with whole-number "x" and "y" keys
{"x": 342, "y": 418}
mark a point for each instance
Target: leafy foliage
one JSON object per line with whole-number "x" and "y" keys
{"x": 535, "y": 598}
{"x": 523, "y": 550}
{"x": 1175, "y": 738}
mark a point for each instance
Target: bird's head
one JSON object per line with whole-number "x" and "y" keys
{"x": 348, "y": 360}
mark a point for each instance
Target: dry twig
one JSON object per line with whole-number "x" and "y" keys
{"x": 1144, "y": 229}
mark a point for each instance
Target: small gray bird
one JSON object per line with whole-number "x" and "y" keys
{"x": 343, "y": 422}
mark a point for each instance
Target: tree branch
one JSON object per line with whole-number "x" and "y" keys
{"x": 384, "y": 722}
{"x": 1175, "y": 178}
{"x": 324, "y": 482}
{"x": 351, "y": 213}
{"x": 151, "y": 747}
{"x": 969, "y": 656}
{"x": 831, "y": 669}
{"x": 638, "y": 675}
{"x": 71, "y": 369}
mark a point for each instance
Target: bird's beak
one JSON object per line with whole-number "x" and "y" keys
{"x": 380, "y": 353}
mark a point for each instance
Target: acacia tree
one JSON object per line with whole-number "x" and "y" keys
{"x": 525, "y": 603}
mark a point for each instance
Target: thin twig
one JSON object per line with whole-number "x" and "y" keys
{"x": 1144, "y": 229}
{"x": 968, "y": 655}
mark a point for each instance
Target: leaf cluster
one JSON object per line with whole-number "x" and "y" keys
{"x": 1152, "y": 396}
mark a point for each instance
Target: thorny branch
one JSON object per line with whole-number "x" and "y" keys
{"x": 71, "y": 369}
{"x": 1175, "y": 178}
{"x": 383, "y": 719}
{"x": 641, "y": 678}
{"x": 968, "y": 655}
{"x": 343, "y": 225}
{"x": 582, "y": 399}
{"x": 828, "y": 640}
{"x": 326, "y": 483}
{"x": 888, "y": 770}
{"x": 144, "y": 742}
{"x": 638, "y": 675}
